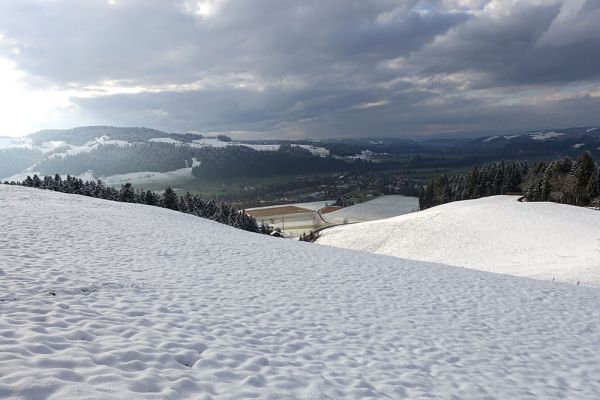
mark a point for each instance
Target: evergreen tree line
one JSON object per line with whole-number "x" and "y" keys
{"x": 563, "y": 180}
{"x": 209, "y": 209}
{"x": 493, "y": 179}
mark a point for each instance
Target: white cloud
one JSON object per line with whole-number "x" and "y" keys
{"x": 25, "y": 110}
{"x": 202, "y": 8}
{"x": 371, "y": 104}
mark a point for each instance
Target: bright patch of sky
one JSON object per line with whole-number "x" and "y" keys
{"x": 282, "y": 68}
{"x": 25, "y": 110}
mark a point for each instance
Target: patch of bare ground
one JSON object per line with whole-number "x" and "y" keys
{"x": 329, "y": 209}
{"x": 267, "y": 212}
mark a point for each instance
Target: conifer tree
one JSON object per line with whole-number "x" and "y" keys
{"x": 169, "y": 199}
{"x": 127, "y": 194}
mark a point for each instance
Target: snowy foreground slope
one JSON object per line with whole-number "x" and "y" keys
{"x": 110, "y": 300}
{"x": 496, "y": 234}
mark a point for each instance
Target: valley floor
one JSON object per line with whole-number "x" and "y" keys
{"x": 111, "y": 300}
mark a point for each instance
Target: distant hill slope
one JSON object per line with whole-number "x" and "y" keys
{"x": 38, "y": 152}
{"x": 114, "y": 300}
{"x": 550, "y": 142}
{"x": 104, "y": 151}
{"x": 82, "y": 135}
{"x": 496, "y": 234}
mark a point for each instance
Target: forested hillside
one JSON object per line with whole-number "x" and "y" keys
{"x": 226, "y": 162}
{"x": 111, "y": 159}
{"x": 82, "y": 135}
{"x": 242, "y": 161}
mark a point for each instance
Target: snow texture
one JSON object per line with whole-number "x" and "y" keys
{"x": 496, "y": 234}
{"x": 104, "y": 300}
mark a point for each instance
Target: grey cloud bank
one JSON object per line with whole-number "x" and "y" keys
{"x": 313, "y": 68}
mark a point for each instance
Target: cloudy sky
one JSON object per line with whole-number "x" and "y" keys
{"x": 309, "y": 68}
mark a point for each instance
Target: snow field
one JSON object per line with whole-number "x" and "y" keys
{"x": 112, "y": 300}
{"x": 496, "y": 234}
{"x": 377, "y": 208}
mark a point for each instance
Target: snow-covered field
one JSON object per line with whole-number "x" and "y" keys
{"x": 496, "y": 234}
{"x": 296, "y": 224}
{"x": 110, "y": 300}
{"x": 140, "y": 178}
{"x": 165, "y": 140}
{"x": 208, "y": 142}
{"x": 214, "y": 142}
{"x": 377, "y": 208}
{"x": 293, "y": 224}
{"x": 314, "y": 150}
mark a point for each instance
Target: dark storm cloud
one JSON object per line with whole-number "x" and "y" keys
{"x": 531, "y": 43}
{"x": 159, "y": 42}
{"x": 314, "y": 68}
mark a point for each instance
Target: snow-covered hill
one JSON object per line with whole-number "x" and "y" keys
{"x": 52, "y": 144}
{"x": 497, "y": 234}
{"x": 112, "y": 300}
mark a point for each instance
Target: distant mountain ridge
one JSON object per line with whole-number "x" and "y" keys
{"x": 81, "y": 135}
{"x": 123, "y": 150}
{"x": 557, "y": 141}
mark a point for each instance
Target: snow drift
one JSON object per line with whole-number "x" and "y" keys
{"x": 497, "y": 234}
{"x": 113, "y": 300}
